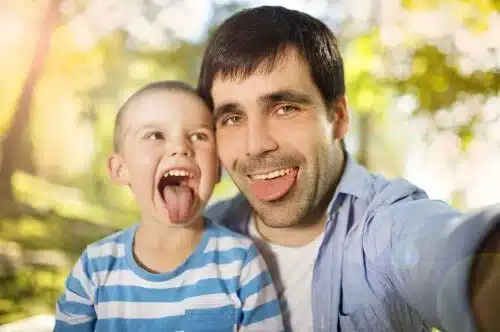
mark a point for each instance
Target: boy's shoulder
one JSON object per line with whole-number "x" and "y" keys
{"x": 111, "y": 245}
{"x": 224, "y": 238}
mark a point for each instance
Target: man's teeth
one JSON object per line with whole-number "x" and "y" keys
{"x": 272, "y": 175}
{"x": 178, "y": 172}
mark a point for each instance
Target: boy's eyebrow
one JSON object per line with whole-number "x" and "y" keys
{"x": 279, "y": 96}
{"x": 157, "y": 126}
{"x": 145, "y": 126}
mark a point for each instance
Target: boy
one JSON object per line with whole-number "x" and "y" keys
{"x": 176, "y": 270}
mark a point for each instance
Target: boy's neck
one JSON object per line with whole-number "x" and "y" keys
{"x": 160, "y": 248}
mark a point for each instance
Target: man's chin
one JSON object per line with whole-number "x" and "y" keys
{"x": 276, "y": 216}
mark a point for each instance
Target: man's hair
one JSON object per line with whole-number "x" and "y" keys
{"x": 159, "y": 85}
{"x": 260, "y": 36}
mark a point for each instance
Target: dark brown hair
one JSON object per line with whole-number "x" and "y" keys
{"x": 260, "y": 36}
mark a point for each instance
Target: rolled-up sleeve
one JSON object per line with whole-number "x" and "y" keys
{"x": 430, "y": 255}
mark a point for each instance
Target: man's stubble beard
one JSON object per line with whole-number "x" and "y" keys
{"x": 308, "y": 202}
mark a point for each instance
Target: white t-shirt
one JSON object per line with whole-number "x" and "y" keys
{"x": 291, "y": 269}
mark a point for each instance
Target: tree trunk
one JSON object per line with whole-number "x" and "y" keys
{"x": 11, "y": 144}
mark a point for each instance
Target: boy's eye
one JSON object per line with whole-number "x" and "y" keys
{"x": 155, "y": 136}
{"x": 199, "y": 137}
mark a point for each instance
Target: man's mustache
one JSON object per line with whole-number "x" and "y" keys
{"x": 256, "y": 164}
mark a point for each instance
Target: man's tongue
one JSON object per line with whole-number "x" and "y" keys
{"x": 273, "y": 189}
{"x": 178, "y": 200}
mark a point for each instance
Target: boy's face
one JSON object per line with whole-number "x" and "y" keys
{"x": 167, "y": 155}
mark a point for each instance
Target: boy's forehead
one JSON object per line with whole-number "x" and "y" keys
{"x": 168, "y": 106}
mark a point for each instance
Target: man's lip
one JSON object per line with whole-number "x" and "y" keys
{"x": 250, "y": 176}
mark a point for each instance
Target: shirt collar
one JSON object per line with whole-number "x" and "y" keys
{"x": 354, "y": 179}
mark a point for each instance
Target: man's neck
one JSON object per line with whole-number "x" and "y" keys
{"x": 295, "y": 236}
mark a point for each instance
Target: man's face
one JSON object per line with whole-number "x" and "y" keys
{"x": 168, "y": 156}
{"x": 279, "y": 141}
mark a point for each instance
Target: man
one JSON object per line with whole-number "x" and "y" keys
{"x": 348, "y": 250}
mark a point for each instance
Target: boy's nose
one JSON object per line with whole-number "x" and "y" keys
{"x": 181, "y": 149}
{"x": 181, "y": 153}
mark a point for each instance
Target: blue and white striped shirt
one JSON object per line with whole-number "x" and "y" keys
{"x": 223, "y": 286}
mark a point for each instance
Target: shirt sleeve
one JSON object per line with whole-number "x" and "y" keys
{"x": 431, "y": 248}
{"x": 260, "y": 306}
{"x": 75, "y": 308}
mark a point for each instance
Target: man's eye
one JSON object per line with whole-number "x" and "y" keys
{"x": 286, "y": 109}
{"x": 232, "y": 120}
{"x": 155, "y": 136}
{"x": 199, "y": 137}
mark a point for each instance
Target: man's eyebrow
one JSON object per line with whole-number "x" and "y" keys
{"x": 225, "y": 108}
{"x": 289, "y": 96}
{"x": 279, "y": 96}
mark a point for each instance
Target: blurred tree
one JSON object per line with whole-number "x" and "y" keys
{"x": 399, "y": 63}
{"x": 448, "y": 68}
{"x": 13, "y": 139}
{"x": 422, "y": 58}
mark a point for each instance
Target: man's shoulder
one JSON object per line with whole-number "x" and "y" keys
{"x": 232, "y": 213}
{"x": 397, "y": 206}
{"x": 385, "y": 192}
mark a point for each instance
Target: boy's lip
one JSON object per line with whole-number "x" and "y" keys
{"x": 191, "y": 172}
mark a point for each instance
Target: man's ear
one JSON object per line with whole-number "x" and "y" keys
{"x": 340, "y": 117}
{"x": 117, "y": 169}
{"x": 219, "y": 171}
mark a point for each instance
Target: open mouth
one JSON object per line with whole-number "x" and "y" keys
{"x": 272, "y": 175}
{"x": 177, "y": 188}
{"x": 273, "y": 185}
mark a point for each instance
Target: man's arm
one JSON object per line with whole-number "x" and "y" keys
{"x": 429, "y": 259}
{"x": 485, "y": 281}
{"x": 260, "y": 309}
{"x": 75, "y": 308}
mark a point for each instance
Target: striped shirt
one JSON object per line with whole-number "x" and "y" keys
{"x": 223, "y": 286}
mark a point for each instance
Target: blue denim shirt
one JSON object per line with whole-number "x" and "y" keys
{"x": 391, "y": 259}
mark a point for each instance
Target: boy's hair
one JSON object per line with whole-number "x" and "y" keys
{"x": 159, "y": 85}
{"x": 260, "y": 36}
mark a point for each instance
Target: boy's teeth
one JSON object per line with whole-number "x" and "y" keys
{"x": 178, "y": 172}
{"x": 273, "y": 174}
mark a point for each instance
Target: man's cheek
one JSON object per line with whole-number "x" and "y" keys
{"x": 226, "y": 152}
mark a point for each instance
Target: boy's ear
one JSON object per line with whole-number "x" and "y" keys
{"x": 117, "y": 169}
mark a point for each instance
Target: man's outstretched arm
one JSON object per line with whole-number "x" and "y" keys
{"x": 431, "y": 259}
{"x": 485, "y": 281}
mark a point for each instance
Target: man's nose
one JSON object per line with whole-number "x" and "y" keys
{"x": 259, "y": 138}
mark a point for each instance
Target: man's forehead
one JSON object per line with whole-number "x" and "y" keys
{"x": 290, "y": 74}
{"x": 266, "y": 67}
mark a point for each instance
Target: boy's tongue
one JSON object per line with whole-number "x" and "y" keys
{"x": 178, "y": 200}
